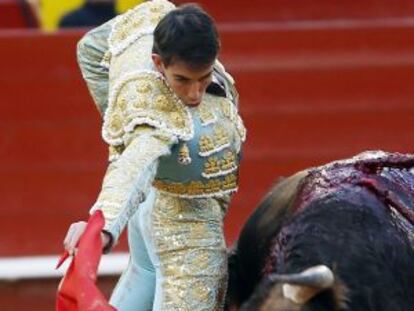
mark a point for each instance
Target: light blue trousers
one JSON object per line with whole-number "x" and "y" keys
{"x": 137, "y": 286}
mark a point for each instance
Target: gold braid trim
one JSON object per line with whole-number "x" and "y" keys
{"x": 200, "y": 189}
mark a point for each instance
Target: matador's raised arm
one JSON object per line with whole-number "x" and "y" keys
{"x": 91, "y": 52}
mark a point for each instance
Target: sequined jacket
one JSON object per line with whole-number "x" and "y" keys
{"x": 154, "y": 139}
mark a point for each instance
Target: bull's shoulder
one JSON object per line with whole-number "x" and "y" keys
{"x": 278, "y": 201}
{"x": 247, "y": 258}
{"x": 267, "y": 218}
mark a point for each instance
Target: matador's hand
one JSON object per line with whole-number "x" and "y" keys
{"x": 74, "y": 234}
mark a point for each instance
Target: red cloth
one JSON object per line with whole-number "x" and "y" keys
{"x": 77, "y": 290}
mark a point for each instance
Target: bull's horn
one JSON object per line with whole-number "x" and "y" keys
{"x": 303, "y": 286}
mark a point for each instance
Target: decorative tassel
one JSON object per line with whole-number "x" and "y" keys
{"x": 184, "y": 155}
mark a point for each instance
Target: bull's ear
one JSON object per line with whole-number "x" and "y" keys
{"x": 301, "y": 287}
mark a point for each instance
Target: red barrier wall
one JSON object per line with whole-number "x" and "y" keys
{"x": 307, "y": 95}
{"x": 319, "y": 80}
{"x": 16, "y": 14}
{"x": 313, "y": 10}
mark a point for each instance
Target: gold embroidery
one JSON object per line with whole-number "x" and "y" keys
{"x": 120, "y": 193}
{"x": 139, "y": 104}
{"x": 212, "y": 166}
{"x": 206, "y": 144}
{"x": 191, "y": 251}
{"x": 230, "y": 112}
{"x": 209, "y": 145}
{"x": 137, "y": 22}
{"x": 220, "y": 136}
{"x": 178, "y": 119}
{"x": 226, "y": 109}
{"x": 145, "y": 99}
{"x": 115, "y": 124}
{"x": 162, "y": 103}
{"x": 122, "y": 104}
{"x": 230, "y": 181}
{"x": 157, "y": 8}
{"x": 144, "y": 87}
{"x": 219, "y": 167}
{"x": 155, "y": 19}
{"x": 198, "y": 188}
{"x": 195, "y": 188}
{"x": 229, "y": 161}
{"x": 120, "y": 35}
{"x": 184, "y": 155}
{"x": 206, "y": 116}
{"x": 214, "y": 185}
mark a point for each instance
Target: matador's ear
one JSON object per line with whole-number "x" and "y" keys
{"x": 157, "y": 60}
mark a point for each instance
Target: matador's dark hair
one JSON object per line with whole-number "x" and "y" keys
{"x": 187, "y": 34}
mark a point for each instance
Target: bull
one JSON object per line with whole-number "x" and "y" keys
{"x": 335, "y": 237}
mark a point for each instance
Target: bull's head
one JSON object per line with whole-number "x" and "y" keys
{"x": 313, "y": 289}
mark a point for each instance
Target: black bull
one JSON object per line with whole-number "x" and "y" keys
{"x": 335, "y": 237}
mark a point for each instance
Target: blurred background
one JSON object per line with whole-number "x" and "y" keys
{"x": 319, "y": 80}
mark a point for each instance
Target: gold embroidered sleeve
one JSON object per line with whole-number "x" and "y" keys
{"x": 129, "y": 178}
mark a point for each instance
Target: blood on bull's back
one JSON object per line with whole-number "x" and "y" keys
{"x": 335, "y": 237}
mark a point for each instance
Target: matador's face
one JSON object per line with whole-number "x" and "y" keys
{"x": 188, "y": 83}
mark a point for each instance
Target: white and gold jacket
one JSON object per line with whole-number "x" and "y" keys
{"x": 154, "y": 139}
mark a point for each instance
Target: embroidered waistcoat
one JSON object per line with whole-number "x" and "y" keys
{"x": 204, "y": 161}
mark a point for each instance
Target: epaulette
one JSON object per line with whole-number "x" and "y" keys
{"x": 143, "y": 97}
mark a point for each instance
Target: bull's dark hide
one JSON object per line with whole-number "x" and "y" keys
{"x": 355, "y": 216}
